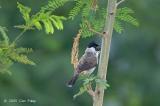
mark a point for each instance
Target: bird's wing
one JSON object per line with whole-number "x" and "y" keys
{"x": 86, "y": 63}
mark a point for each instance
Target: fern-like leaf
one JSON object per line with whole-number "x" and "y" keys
{"x": 82, "y": 90}
{"x": 85, "y": 30}
{"x": 53, "y": 4}
{"x": 25, "y": 11}
{"x": 118, "y": 27}
{"x": 21, "y": 58}
{"x": 9, "y": 53}
{"x": 124, "y": 14}
{"x": 125, "y": 10}
{"x": 76, "y": 9}
{"x": 128, "y": 19}
{"x": 4, "y": 35}
{"x": 43, "y": 18}
{"x": 88, "y": 81}
{"x": 23, "y": 50}
{"x": 102, "y": 83}
{"x": 87, "y": 9}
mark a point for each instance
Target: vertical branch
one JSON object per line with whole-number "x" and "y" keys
{"x": 104, "y": 57}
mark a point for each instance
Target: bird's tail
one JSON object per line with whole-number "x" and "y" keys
{"x": 73, "y": 80}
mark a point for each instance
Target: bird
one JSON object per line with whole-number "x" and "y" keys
{"x": 87, "y": 63}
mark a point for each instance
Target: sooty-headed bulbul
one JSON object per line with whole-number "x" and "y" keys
{"x": 87, "y": 62}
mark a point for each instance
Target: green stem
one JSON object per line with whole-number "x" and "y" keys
{"x": 104, "y": 57}
{"x": 19, "y": 36}
{"x": 4, "y": 35}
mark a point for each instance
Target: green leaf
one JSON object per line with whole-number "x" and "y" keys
{"x": 76, "y": 9}
{"x": 21, "y": 58}
{"x": 124, "y": 14}
{"x": 118, "y": 27}
{"x": 102, "y": 83}
{"x": 89, "y": 79}
{"x": 58, "y": 21}
{"x": 23, "y": 50}
{"x": 47, "y": 26}
{"x": 85, "y": 31}
{"x": 81, "y": 91}
{"x": 10, "y": 54}
{"x": 50, "y": 26}
{"x": 24, "y": 11}
{"x": 86, "y": 11}
{"x": 38, "y": 25}
{"x": 55, "y": 23}
{"x": 124, "y": 10}
{"x": 129, "y": 19}
{"x": 44, "y": 16}
{"x": 53, "y": 4}
{"x": 4, "y": 35}
{"x": 62, "y": 18}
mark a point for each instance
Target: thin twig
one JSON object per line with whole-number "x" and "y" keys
{"x": 118, "y": 3}
{"x": 20, "y": 35}
{"x": 92, "y": 30}
{"x": 94, "y": 5}
{"x": 90, "y": 91}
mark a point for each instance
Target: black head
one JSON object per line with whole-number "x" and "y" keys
{"x": 95, "y": 45}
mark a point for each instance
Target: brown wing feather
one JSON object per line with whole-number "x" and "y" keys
{"x": 87, "y": 62}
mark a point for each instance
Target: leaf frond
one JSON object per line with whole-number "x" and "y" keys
{"x": 9, "y": 53}
{"x": 43, "y": 18}
{"x": 53, "y": 4}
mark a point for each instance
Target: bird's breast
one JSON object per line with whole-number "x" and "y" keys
{"x": 90, "y": 71}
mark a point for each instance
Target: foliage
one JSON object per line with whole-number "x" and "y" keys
{"x": 9, "y": 53}
{"x": 53, "y": 4}
{"x": 96, "y": 17}
{"x": 88, "y": 12}
{"x": 43, "y": 17}
{"x": 90, "y": 80}
{"x": 93, "y": 17}
{"x": 76, "y": 9}
{"x": 124, "y": 14}
{"x": 103, "y": 83}
{"x": 86, "y": 81}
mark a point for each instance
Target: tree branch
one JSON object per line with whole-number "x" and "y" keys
{"x": 19, "y": 36}
{"x": 118, "y": 3}
{"x": 105, "y": 48}
{"x": 92, "y": 30}
{"x": 90, "y": 91}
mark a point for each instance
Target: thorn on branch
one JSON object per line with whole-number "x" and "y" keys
{"x": 118, "y": 3}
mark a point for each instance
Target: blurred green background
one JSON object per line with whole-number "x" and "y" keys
{"x": 134, "y": 65}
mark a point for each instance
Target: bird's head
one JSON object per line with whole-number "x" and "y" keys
{"x": 94, "y": 45}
